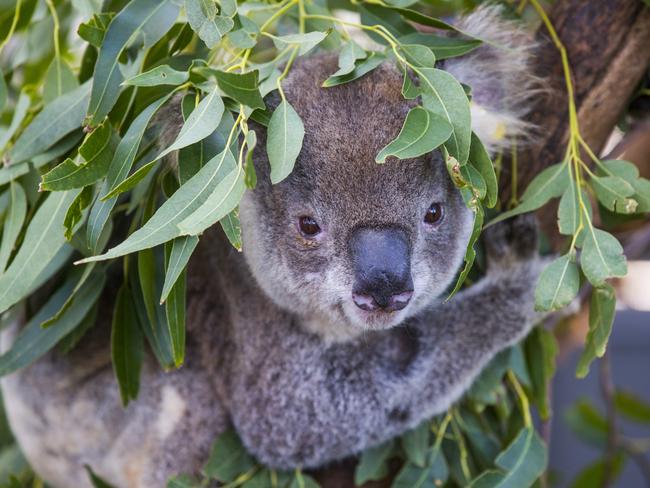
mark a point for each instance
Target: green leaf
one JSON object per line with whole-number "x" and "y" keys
{"x": 203, "y": 18}
{"x": 602, "y": 256}
{"x": 95, "y": 29}
{"x": 602, "y": 309}
{"x": 301, "y": 480}
{"x": 444, "y": 96}
{"x": 348, "y": 57}
{"x": 232, "y": 228}
{"x": 550, "y": 183}
{"x": 362, "y": 67}
{"x": 304, "y": 42}
{"x": 442, "y": 47}
{"x": 220, "y": 202}
{"x": 642, "y": 194}
{"x": 149, "y": 19}
{"x": 594, "y": 474}
{"x": 434, "y": 474}
{"x": 474, "y": 180}
{"x": 523, "y": 461}
{"x": 34, "y": 341}
{"x": 373, "y": 463}
{"x": 58, "y": 118}
{"x": 541, "y": 350}
{"x": 97, "y": 151}
{"x": 421, "y": 133}
{"x": 613, "y": 193}
{"x": 96, "y": 481}
{"x": 75, "y": 213}
{"x": 244, "y": 33}
{"x": 163, "y": 225}
{"x": 3, "y": 92}
{"x": 569, "y": 212}
{"x": 415, "y": 443}
{"x": 182, "y": 481}
{"x": 118, "y": 171}
{"x": 19, "y": 113}
{"x": 175, "y": 306}
{"x": 202, "y": 122}
{"x": 470, "y": 253}
{"x": 418, "y": 55}
{"x": 479, "y": 159}
{"x": 241, "y": 87}
{"x": 182, "y": 249}
{"x": 160, "y": 75}
{"x": 59, "y": 80}
{"x": 632, "y": 406}
{"x": 13, "y": 222}
{"x": 558, "y": 284}
{"x": 587, "y": 423}
{"x": 372, "y": 15}
{"x": 127, "y": 346}
{"x": 43, "y": 239}
{"x": 228, "y": 458}
{"x": 284, "y": 141}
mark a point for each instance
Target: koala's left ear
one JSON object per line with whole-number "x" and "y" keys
{"x": 499, "y": 73}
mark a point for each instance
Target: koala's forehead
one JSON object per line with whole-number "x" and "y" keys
{"x": 347, "y": 125}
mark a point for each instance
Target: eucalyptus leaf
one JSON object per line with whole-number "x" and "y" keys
{"x": 444, "y": 96}
{"x": 118, "y": 171}
{"x": 418, "y": 55}
{"x": 43, "y": 239}
{"x": 241, "y": 87}
{"x": 470, "y": 253}
{"x": 602, "y": 256}
{"x": 204, "y": 20}
{"x": 232, "y": 228}
{"x": 602, "y": 309}
{"x": 614, "y": 192}
{"x": 34, "y": 341}
{"x": 442, "y": 47}
{"x": 160, "y": 75}
{"x": 284, "y": 140}
{"x": 228, "y": 458}
{"x": 348, "y": 56}
{"x": 181, "y": 251}
{"x": 523, "y": 461}
{"x": 97, "y": 151}
{"x": 304, "y": 42}
{"x": 415, "y": 443}
{"x": 149, "y": 19}
{"x": 373, "y": 463}
{"x": 59, "y": 80}
{"x": 558, "y": 284}
{"x": 175, "y": 306}
{"x": 127, "y": 346}
{"x": 550, "y": 183}
{"x": 362, "y": 67}
{"x": 479, "y": 159}
{"x": 13, "y": 222}
{"x": 163, "y": 225}
{"x": 421, "y": 133}
{"x": 19, "y": 113}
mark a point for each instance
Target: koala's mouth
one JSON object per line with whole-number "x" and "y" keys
{"x": 373, "y": 318}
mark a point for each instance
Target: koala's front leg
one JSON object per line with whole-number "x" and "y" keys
{"x": 298, "y": 402}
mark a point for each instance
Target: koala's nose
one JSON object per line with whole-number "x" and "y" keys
{"x": 382, "y": 269}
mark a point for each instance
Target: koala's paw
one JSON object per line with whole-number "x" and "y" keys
{"x": 512, "y": 241}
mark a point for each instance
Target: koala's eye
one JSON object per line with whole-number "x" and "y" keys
{"x": 434, "y": 214}
{"x": 308, "y": 226}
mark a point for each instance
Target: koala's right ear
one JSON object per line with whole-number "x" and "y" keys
{"x": 500, "y": 75}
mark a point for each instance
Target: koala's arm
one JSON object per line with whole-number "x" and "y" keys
{"x": 304, "y": 403}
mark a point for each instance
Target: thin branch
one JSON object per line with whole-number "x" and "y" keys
{"x": 607, "y": 389}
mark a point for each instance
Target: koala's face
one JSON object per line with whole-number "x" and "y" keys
{"x": 345, "y": 243}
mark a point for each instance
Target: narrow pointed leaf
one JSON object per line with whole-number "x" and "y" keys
{"x": 232, "y": 228}
{"x": 304, "y": 42}
{"x": 602, "y": 309}
{"x": 13, "y": 222}
{"x": 43, "y": 239}
{"x": 479, "y": 158}
{"x": 284, "y": 141}
{"x": 127, "y": 346}
{"x": 19, "y": 113}
{"x": 150, "y": 19}
{"x": 182, "y": 249}
{"x": 160, "y": 75}
{"x": 58, "y": 118}
{"x": 241, "y": 87}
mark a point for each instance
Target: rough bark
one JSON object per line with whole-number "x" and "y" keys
{"x": 608, "y": 44}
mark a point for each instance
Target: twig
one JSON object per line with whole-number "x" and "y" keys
{"x": 607, "y": 389}
{"x": 638, "y": 457}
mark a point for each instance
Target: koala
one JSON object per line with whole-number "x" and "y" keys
{"x": 330, "y": 333}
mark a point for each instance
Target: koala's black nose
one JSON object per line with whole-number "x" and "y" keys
{"x": 382, "y": 269}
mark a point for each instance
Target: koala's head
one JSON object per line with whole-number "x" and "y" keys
{"x": 343, "y": 242}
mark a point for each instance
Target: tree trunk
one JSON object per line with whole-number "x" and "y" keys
{"x": 608, "y": 45}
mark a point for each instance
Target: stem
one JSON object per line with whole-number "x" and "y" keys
{"x": 286, "y": 72}
{"x": 461, "y": 446}
{"x": 55, "y": 20}
{"x": 523, "y": 399}
{"x": 607, "y": 391}
{"x": 14, "y": 23}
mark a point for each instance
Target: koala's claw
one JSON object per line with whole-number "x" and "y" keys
{"x": 515, "y": 239}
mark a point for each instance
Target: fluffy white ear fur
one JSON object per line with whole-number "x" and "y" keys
{"x": 499, "y": 73}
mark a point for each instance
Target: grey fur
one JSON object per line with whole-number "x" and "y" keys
{"x": 275, "y": 346}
